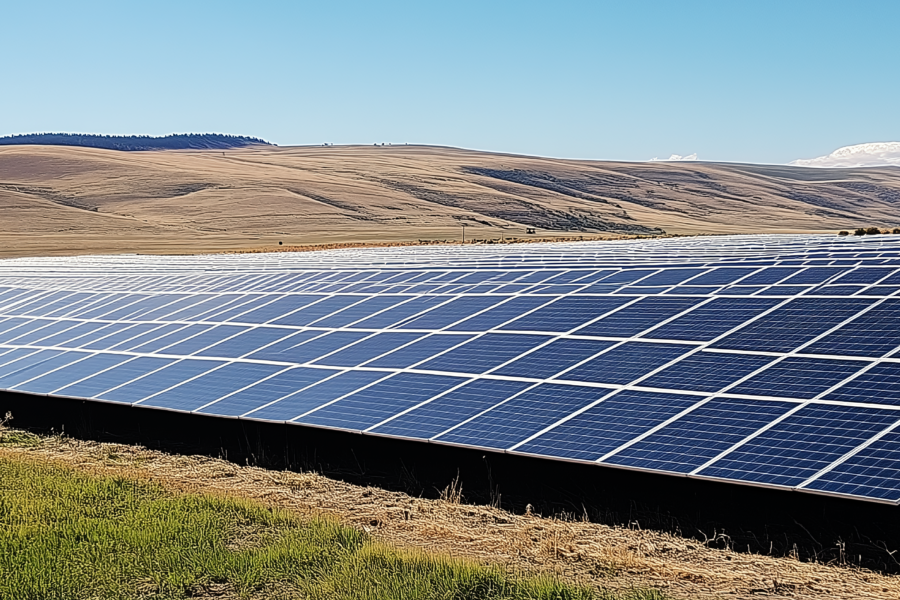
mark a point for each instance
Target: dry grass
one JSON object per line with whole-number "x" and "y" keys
{"x": 67, "y": 200}
{"x": 587, "y": 553}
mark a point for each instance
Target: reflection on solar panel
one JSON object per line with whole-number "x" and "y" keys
{"x": 760, "y": 360}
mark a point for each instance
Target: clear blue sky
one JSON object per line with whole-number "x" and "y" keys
{"x": 753, "y": 81}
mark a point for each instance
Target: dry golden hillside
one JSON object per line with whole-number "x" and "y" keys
{"x": 66, "y": 200}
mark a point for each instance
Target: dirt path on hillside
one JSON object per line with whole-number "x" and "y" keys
{"x": 608, "y": 557}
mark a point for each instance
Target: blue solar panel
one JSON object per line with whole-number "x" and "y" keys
{"x": 484, "y": 353}
{"x": 714, "y": 318}
{"x": 369, "y": 348}
{"x": 374, "y": 404}
{"x": 73, "y": 372}
{"x": 212, "y": 386}
{"x": 419, "y": 351}
{"x": 152, "y": 330}
{"x": 796, "y": 448}
{"x": 317, "y": 395}
{"x": 608, "y": 425}
{"x": 158, "y": 381}
{"x": 267, "y": 391}
{"x": 500, "y": 314}
{"x": 566, "y": 314}
{"x": 700, "y": 435}
{"x": 625, "y": 363}
{"x": 450, "y": 313}
{"x": 128, "y": 371}
{"x": 872, "y": 473}
{"x": 878, "y": 385}
{"x": 707, "y": 371}
{"x": 553, "y": 358}
{"x": 798, "y": 378}
{"x": 452, "y": 408}
{"x": 790, "y": 326}
{"x": 524, "y": 415}
{"x": 871, "y": 334}
{"x": 639, "y": 316}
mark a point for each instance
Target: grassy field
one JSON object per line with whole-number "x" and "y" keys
{"x": 66, "y": 534}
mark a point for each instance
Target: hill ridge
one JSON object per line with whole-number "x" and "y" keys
{"x": 174, "y": 141}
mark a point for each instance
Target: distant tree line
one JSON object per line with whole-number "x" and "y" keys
{"x": 176, "y": 141}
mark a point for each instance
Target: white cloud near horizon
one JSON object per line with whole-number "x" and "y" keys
{"x": 878, "y": 154}
{"x": 675, "y": 158}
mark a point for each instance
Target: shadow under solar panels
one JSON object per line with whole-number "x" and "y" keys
{"x": 442, "y": 413}
{"x": 700, "y": 435}
{"x": 522, "y": 416}
{"x": 609, "y": 424}
{"x": 796, "y": 448}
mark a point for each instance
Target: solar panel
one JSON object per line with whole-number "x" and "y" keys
{"x": 761, "y": 360}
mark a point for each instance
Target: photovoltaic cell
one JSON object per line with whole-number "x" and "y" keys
{"x": 319, "y": 394}
{"x": 419, "y": 351}
{"x": 714, "y": 318}
{"x": 452, "y": 408}
{"x": 707, "y": 371}
{"x": 700, "y": 435}
{"x": 400, "y": 312}
{"x": 625, "y": 363}
{"x": 871, "y": 334}
{"x": 127, "y": 371}
{"x": 797, "y": 447}
{"x": 483, "y": 353}
{"x": 370, "y": 406}
{"x": 247, "y": 342}
{"x": 314, "y": 312}
{"x": 878, "y": 385}
{"x": 369, "y": 348}
{"x": 150, "y": 384}
{"x": 790, "y": 326}
{"x": 284, "y": 384}
{"x": 73, "y": 372}
{"x": 802, "y": 378}
{"x": 364, "y": 309}
{"x": 523, "y": 416}
{"x": 213, "y": 385}
{"x": 448, "y": 314}
{"x": 553, "y": 358}
{"x": 500, "y": 314}
{"x": 637, "y": 317}
{"x": 608, "y": 425}
{"x": 566, "y": 314}
{"x": 872, "y": 473}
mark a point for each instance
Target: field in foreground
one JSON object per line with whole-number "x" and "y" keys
{"x": 240, "y": 531}
{"x": 69, "y": 200}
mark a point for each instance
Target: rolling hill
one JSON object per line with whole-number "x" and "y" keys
{"x": 69, "y": 200}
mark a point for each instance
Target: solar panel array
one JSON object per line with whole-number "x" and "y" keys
{"x": 762, "y": 360}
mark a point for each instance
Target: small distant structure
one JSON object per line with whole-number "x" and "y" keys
{"x": 529, "y": 230}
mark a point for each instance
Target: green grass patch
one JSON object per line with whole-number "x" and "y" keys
{"x": 68, "y": 535}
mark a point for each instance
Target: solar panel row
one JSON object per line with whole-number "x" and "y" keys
{"x": 767, "y": 360}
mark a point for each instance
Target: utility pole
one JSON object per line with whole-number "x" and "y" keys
{"x": 463, "y": 225}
